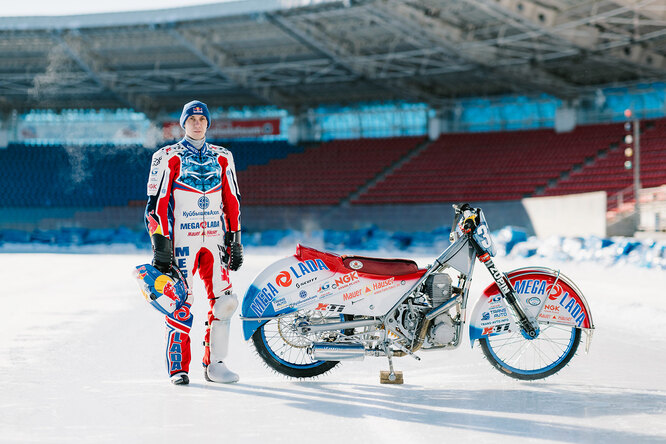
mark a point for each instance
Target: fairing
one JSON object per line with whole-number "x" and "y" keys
{"x": 315, "y": 280}
{"x": 564, "y": 305}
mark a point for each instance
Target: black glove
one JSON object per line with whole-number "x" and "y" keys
{"x": 234, "y": 249}
{"x": 162, "y": 252}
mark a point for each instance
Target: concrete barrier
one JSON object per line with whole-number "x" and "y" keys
{"x": 571, "y": 215}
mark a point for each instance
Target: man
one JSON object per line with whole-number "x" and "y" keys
{"x": 193, "y": 217}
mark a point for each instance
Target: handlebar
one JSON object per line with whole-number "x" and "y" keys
{"x": 471, "y": 218}
{"x": 460, "y": 208}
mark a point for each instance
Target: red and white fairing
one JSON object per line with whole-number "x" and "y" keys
{"x": 315, "y": 280}
{"x": 544, "y": 293}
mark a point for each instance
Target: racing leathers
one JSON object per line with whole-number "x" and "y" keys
{"x": 193, "y": 199}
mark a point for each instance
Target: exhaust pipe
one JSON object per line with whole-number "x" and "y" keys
{"x": 331, "y": 351}
{"x": 432, "y": 314}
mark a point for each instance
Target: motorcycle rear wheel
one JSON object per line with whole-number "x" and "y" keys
{"x": 284, "y": 349}
{"x": 528, "y": 359}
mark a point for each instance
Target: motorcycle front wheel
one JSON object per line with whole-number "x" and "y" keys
{"x": 528, "y": 359}
{"x": 284, "y": 349}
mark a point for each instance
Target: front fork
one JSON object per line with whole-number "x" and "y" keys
{"x": 529, "y": 326}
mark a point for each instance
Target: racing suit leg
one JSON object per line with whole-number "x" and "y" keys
{"x": 223, "y": 303}
{"x": 178, "y": 325}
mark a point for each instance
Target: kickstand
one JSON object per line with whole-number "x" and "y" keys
{"x": 391, "y": 376}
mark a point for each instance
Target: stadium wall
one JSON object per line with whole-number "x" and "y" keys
{"x": 408, "y": 218}
{"x": 405, "y": 217}
{"x": 577, "y": 215}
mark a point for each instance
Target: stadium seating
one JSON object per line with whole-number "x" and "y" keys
{"x": 456, "y": 167}
{"x": 97, "y": 176}
{"x": 58, "y": 176}
{"x": 491, "y": 166}
{"x": 248, "y": 153}
{"x": 609, "y": 174}
{"x": 324, "y": 174}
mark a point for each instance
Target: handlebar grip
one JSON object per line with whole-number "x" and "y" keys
{"x": 459, "y": 208}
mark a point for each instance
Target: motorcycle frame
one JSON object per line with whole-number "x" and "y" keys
{"x": 461, "y": 255}
{"x": 454, "y": 256}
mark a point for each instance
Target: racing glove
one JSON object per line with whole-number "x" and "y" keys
{"x": 234, "y": 249}
{"x": 162, "y": 252}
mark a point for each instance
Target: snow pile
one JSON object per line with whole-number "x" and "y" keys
{"x": 512, "y": 242}
{"x": 74, "y": 240}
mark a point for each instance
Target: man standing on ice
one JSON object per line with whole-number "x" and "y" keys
{"x": 193, "y": 218}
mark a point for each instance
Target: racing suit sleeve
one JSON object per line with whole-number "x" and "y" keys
{"x": 158, "y": 215}
{"x": 230, "y": 193}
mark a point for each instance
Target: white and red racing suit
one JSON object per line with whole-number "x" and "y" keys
{"x": 193, "y": 199}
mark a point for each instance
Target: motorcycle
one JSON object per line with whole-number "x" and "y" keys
{"x": 307, "y": 312}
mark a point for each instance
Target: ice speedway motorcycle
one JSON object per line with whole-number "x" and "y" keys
{"x": 307, "y": 312}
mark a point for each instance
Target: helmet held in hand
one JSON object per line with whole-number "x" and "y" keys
{"x": 165, "y": 292}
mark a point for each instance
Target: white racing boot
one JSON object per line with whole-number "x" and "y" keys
{"x": 218, "y": 372}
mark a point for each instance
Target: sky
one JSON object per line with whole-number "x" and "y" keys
{"x": 75, "y": 7}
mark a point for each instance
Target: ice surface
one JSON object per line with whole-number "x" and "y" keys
{"x": 82, "y": 362}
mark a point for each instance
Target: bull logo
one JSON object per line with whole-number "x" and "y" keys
{"x": 170, "y": 291}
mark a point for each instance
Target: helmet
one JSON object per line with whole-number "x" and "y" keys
{"x": 165, "y": 292}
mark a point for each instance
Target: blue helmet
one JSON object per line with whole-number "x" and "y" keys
{"x": 165, "y": 292}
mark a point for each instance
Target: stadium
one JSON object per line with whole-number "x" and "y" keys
{"x": 342, "y": 115}
{"x": 355, "y": 127}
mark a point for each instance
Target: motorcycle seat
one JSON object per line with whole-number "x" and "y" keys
{"x": 380, "y": 266}
{"x": 362, "y": 264}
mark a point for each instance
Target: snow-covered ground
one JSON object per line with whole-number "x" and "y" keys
{"x": 82, "y": 361}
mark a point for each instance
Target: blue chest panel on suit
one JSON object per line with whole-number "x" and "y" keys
{"x": 200, "y": 172}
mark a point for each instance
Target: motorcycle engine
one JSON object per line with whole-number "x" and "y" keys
{"x": 438, "y": 287}
{"x": 442, "y": 330}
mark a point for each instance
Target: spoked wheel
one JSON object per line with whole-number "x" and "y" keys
{"x": 284, "y": 349}
{"x": 521, "y": 358}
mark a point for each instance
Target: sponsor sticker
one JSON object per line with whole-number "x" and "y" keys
{"x": 203, "y": 202}
{"x": 279, "y": 303}
{"x": 330, "y": 307}
{"x": 283, "y": 279}
{"x": 381, "y": 286}
{"x": 351, "y": 295}
{"x": 356, "y": 265}
{"x": 346, "y": 280}
{"x": 287, "y": 277}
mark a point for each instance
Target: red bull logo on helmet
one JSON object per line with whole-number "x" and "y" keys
{"x": 170, "y": 291}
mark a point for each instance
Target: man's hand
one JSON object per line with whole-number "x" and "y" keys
{"x": 234, "y": 248}
{"x": 162, "y": 252}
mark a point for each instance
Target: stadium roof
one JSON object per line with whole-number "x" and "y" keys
{"x": 278, "y": 53}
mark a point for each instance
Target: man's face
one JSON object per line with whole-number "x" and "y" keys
{"x": 196, "y": 126}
